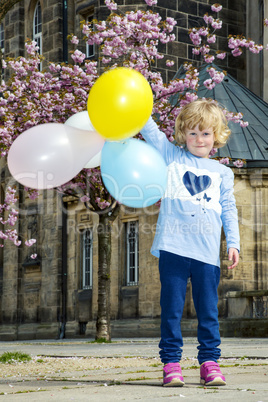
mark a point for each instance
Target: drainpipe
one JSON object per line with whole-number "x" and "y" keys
{"x": 64, "y": 31}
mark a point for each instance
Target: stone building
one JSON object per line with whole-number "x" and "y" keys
{"x": 56, "y": 295}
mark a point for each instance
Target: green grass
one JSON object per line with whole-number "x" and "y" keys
{"x": 156, "y": 364}
{"x": 101, "y": 340}
{"x": 30, "y": 390}
{"x": 14, "y": 357}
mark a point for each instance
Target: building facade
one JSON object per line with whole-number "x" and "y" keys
{"x": 56, "y": 295}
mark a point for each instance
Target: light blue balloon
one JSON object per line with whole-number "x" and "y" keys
{"x": 133, "y": 172}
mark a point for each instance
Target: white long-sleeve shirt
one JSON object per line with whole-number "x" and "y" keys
{"x": 197, "y": 202}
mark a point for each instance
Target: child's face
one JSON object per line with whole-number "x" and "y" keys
{"x": 199, "y": 143}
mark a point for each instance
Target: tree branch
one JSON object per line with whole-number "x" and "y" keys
{"x": 5, "y": 6}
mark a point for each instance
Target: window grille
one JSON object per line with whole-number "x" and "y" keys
{"x": 86, "y": 259}
{"x": 132, "y": 253}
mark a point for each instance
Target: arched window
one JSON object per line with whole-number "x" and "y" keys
{"x": 2, "y": 37}
{"x": 86, "y": 253}
{"x": 37, "y": 26}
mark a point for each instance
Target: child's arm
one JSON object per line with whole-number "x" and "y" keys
{"x": 158, "y": 140}
{"x": 229, "y": 217}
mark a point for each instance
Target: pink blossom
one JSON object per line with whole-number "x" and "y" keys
{"x": 238, "y": 42}
{"x": 106, "y": 60}
{"x": 211, "y": 39}
{"x": 33, "y": 256}
{"x": 209, "y": 58}
{"x": 237, "y": 52}
{"x": 188, "y": 97}
{"x": 84, "y": 198}
{"x": 209, "y": 84}
{"x": 216, "y": 24}
{"x": 205, "y": 49}
{"x": 213, "y": 152}
{"x": 216, "y": 7}
{"x": 203, "y": 31}
{"x": 266, "y": 22}
{"x": 151, "y": 2}
{"x": 238, "y": 163}
{"x": 75, "y": 40}
{"x": 217, "y": 76}
{"x": 111, "y": 5}
{"x": 224, "y": 161}
{"x": 221, "y": 55}
{"x": 256, "y": 49}
{"x": 169, "y": 63}
{"x": 208, "y": 18}
{"x": 32, "y": 48}
{"x": 78, "y": 56}
{"x": 30, "y": 242}
{"x": 195, "y": 37}
{"x": 196, "y": 50}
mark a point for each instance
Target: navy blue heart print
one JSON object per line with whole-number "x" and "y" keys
{"x": 196, "y": 184}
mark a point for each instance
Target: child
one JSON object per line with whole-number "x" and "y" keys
{"x": 197, "y": 202}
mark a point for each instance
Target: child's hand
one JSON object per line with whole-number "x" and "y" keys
{"x": 233, "y": 256}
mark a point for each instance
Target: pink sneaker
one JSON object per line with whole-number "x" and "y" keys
{"x": 210, "y": 374}
{"x": 172, "y": 376}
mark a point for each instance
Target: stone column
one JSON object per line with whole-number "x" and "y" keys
{"x": 50, "y": 239}
{"x": 259, "y": 183}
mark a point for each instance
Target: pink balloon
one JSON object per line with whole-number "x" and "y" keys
{"x": 49, "y": 155}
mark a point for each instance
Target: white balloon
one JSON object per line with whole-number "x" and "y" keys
{"x": 82, "y": 121}
{"x": 94, "y": 162}
{"x": 49, "y": 155}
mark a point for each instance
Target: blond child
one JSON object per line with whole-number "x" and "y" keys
{"x": 198, "y": 201}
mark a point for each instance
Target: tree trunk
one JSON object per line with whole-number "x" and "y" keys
{"x": 103, "y": 328}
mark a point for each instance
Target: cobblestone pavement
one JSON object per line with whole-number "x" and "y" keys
{"x": 128, "y": 370}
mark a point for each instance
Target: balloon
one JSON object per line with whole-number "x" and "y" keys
{"x": 82, "y": 121}
{"x": 49, "y": 155}
{"x": 120, "y": 103}
{"x": 94, "y": 162}
{"x": 133, "y": 172}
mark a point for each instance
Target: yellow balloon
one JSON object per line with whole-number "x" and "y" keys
{"x": 120, "y": 103}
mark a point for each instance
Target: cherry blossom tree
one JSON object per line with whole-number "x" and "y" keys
{"x": 33, "y": 97}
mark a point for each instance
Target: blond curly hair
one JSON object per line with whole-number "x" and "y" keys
{"x": 204, "y": 113}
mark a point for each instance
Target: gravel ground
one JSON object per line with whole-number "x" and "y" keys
{"x": 107, "y": 376}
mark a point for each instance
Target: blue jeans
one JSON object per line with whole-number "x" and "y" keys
{"x": 174, "y": 273}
